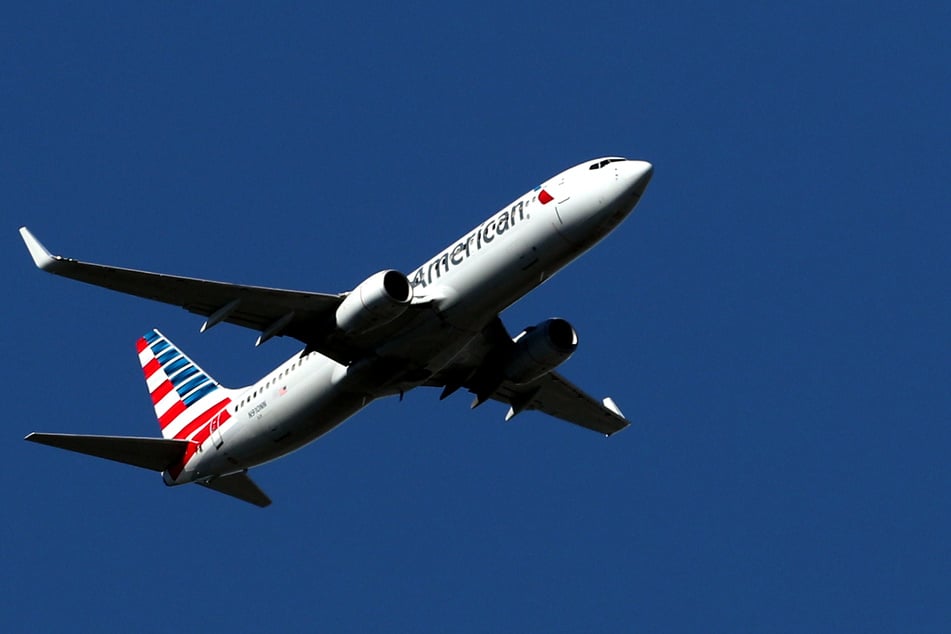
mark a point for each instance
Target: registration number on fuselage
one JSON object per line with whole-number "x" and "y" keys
{"x": 257, "y": 409}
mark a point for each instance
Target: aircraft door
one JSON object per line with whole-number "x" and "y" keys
{"x": 216, "y": 431}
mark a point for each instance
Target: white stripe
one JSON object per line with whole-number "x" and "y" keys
{"x": 178, "y": 424}
{"x": 166, "y": 403}
{"x": 155, "y": 380}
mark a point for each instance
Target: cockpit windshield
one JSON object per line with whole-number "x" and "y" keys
{"x": 600, "y": 164}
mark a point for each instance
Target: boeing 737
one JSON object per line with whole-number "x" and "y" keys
{"x": 439, "y": 327}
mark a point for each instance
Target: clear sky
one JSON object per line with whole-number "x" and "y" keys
{"x": 774, "y": 317}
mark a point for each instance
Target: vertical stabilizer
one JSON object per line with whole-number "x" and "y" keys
{"x": 185, "y": 397}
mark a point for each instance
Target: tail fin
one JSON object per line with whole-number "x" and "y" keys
{"x": 185, "y": 397}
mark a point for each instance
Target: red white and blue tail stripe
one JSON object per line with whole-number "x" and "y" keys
{"x": 185, "y": 397}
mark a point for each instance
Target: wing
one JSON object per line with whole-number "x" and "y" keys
{"x": 308, "y": 317}
{"x": 477, "y": 369}
{"x": 556, "y": 396}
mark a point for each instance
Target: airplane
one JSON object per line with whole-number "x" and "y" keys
{"x": 436, "y": 327}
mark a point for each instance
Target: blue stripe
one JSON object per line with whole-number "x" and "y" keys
{"x": 150, "y": 336}
{"x": 176, "y": 365}
{"x": 184, "y": 374}
{"x": 165, "y": 357}
{"x": 161, "y": 345}
{"x": 211, "y": 387}
{"x": 191, "y": 385}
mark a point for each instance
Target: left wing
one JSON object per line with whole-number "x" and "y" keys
{"x": 308, "y": 317}
{"x": 477, "y": 369}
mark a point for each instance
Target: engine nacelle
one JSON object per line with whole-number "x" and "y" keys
{"x": 379, "y": 299}
{"x": 540, "y": 349}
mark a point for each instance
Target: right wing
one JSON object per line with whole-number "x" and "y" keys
{"x": 477, "y": 368}
{"x": 308, "y": 317}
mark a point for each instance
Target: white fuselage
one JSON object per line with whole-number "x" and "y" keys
{"x": 467, "y": 284}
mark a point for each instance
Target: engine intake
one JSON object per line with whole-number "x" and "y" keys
{"x": 378, "y": 300}
{"x": 540, "y": 349}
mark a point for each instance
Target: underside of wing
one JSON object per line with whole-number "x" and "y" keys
{"x": 478, "y": 368}
{"x": 308, "y": 317}
{"x": 558, "y": 397}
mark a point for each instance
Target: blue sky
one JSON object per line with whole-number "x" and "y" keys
{"x": 773, "y": 318}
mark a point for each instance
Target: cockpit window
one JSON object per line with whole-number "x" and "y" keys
{"x": 595, "y": 166}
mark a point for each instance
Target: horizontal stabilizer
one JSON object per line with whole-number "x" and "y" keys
{"x": 239, "y": 485}
{"x": 155, "y": 454}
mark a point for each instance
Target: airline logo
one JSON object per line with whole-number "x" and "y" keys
{"x": 185, "y": 398}
{"x": 543, "y": 196}
{"x": 484, "y": 234}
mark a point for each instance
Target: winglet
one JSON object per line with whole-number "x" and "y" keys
{"x": 609, "y": 403}
{"x": 41, "y": 257}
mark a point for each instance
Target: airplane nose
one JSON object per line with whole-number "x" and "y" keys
{"x": 599, "y": 204}
{"x": 637, "y": 174}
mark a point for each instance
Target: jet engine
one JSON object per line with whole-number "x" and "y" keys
{"x": 540, "y": 349}
{"x": 379, "y": 299}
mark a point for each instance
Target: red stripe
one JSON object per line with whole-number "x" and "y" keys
{"x": 141, "y": 344}
{"x": 161, "y": 391}
{"x": 202, "y": 418}
{"x": 202, "y": 434}
{"x": 200, "y": 437}
{"x": 205, "y": 431}
{"x": 176, "y": 469}
{"x": 171, "y": 414}
{"x": 150, "y": 367}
